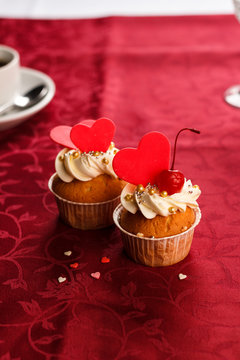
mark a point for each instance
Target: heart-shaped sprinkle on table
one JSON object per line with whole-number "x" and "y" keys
{"x": 182, "y": 276}
{"x": 96, "y": 137}
{"x": 74, "y": 265}
{"x": 68, "y": 253}
{"x": 105, "y": 260}
{"x": 96, "y": 275}
{"x": 142, "y": 165}
{"x": 61, "y": 279}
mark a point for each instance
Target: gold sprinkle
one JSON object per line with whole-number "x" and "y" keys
{"x": 184, "y": 228}
{"x": 140, "y": 188}
{"x": 128, "y": 197}
{"x": 112, "y": 145}
{"x": 196, "y": 187}
{"x": 140, "y": 235}
{"x": 171, "y": 210}
{"x": 115, "y": 151}
{"x": 75, "y": 154}
{"x": 151, "y": 191}
{"x": 96, "y": 153}
{"x": 61, "y": 157}
{"x": 105, "y": 161}
{"x": 163, "y": 194}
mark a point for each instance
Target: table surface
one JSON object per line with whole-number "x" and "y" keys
{"x": 161, "y": 73}
{"x": 95, "y": 8}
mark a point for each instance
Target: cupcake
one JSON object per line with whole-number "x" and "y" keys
{"x": 159, "y": 209}
{"x": 85, "y": 185}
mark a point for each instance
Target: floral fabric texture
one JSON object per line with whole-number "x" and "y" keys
{"x": 149, "y": 73}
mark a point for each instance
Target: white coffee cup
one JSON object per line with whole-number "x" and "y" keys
{"x": 9, "y": 74}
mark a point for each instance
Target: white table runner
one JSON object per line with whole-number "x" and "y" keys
{"x": 96, "y": 8}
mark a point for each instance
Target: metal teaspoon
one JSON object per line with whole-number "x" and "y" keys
{"x": 30, "y": 98}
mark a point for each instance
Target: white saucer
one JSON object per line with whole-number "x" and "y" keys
{"x": 29, "y": 78}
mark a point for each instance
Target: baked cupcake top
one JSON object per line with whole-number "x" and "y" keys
{"x": 154, "y": 188}
{"x": 88, "y": 150}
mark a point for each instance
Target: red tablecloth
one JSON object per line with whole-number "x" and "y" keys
{"x": 145, "y": 74}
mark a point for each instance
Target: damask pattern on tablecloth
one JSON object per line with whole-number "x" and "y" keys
{"x": 145, "y": 74}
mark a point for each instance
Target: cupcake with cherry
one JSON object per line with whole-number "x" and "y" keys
{"x": 159, "y": 209}
{"x": 85, "y": 185}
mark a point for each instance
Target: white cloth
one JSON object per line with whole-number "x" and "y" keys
{"x": 50, "y": 9}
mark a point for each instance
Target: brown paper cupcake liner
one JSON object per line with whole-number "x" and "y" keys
{"x": 85, "y": 216}
{"x": 157, "y": 252}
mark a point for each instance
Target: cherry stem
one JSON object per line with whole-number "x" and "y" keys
{"x": 175, "y": 144}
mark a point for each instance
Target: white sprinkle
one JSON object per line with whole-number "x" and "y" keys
{"x": 61, "y": 279}
{"x": 182, "y": 276}
{"x": 68, "y": 253}
{"x": 96, "y": 275}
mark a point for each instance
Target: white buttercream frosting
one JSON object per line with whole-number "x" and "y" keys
{"x": 155, "y": 204}
{"x": 72, "y": 164}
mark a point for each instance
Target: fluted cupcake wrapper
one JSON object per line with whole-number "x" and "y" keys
{"x": 85, "y": 216}
{"x": 157, "y": 252}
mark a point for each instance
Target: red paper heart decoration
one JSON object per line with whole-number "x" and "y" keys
{"x": 88, "y": 122}
{"x": 93, "y": 138}
{"x": 142, "y": 165}
{"x": 61, "y": 135}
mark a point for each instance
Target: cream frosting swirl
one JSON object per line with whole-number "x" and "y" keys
{"x": 73, "y": 164}
{"x": 154, "y": 204}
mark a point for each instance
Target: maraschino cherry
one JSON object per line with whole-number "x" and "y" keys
{"x": 171, "y": 181}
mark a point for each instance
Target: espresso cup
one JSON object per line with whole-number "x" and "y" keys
{"x": 9, "y": 74}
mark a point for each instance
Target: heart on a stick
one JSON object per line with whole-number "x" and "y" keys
{"x": 61, "y": 135}
{"x": 88, "y": 135}
{"x": 142, "y": 165}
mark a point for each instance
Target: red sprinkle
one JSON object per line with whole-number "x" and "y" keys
{"x": 74, "y": 265}
{"x": 105, "y": 260}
